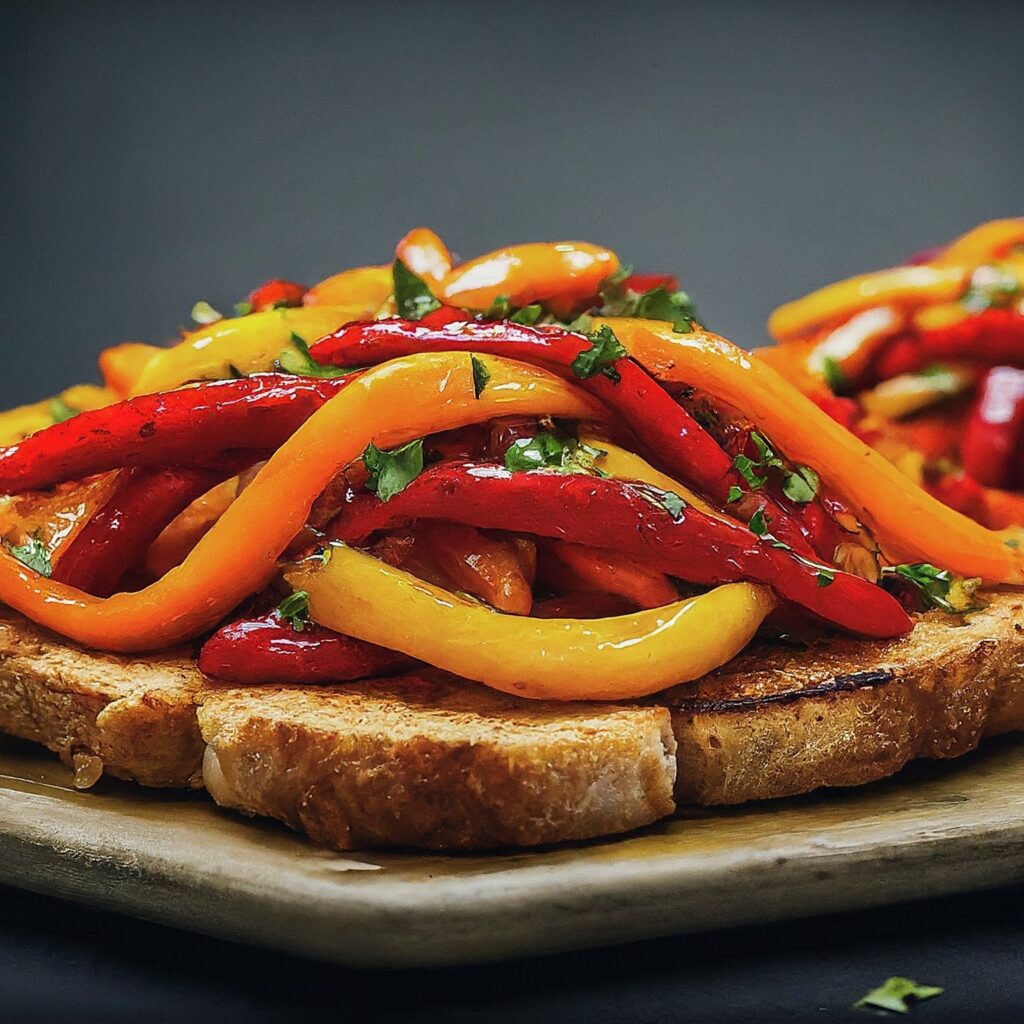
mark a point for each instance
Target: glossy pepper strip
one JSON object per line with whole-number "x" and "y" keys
{"x": 117, "y": 536}
{"x": 910, "y": 524}
{"x": 993, "y": 442}
{"x": 389, "y": 405}
{"x": 678, "y": 442}
{"x": 193, "y": 426}
{"x": 269, "y": 650}
{"x": 544, "y": 659}
{"x": 631, "y": 519}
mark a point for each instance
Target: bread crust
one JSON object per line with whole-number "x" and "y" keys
{"x": 432, "y": 761}
{"x": 778, "y": 721}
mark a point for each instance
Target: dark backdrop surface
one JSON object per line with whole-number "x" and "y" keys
{"x": 157, "y": 153}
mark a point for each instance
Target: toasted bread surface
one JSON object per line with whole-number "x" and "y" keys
{"x": 430, "y": 760}
{"x": 133, "y": 718}
{"x": 780, "y": 720}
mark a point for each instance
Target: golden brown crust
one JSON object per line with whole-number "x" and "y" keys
{"x": 430, "y": 760}
{"x": 779, "y": 721}
{"x": 137, "y": 716}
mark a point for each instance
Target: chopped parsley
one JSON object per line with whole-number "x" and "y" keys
{"x": 528, "y": 315}
{"x": 34, "y": 554}
{"x": 800, "y": 485}
{"x": 413, "y": 296}
{"x": 295, "y": 609}
{"x": 392, "y": 471}
{"x": 657, "y": 304}
{"x": 834, "y": 376}
{"x": 667, "y": 501}
{"x": 898, "y": 995}
{"x": 61, "y": 411}
{"x": 735, "y": 493}
{"x": 502, "y": 309}
{"x": 937, "y": 588}
{"x": 499, "y": 309}
{"x": 826, "y": 577}
{"x": 243, "y": 308}
{"x": 546, "y": 450}
{"x": 481, "y": 375}
{"x": 605, "y": 350}
{"x": 204, "y": 313}
{"x": 296, "y": 359}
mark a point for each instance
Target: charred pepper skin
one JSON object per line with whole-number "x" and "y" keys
{"x": 630, "y": 518}
{"x": 188, "y": 427}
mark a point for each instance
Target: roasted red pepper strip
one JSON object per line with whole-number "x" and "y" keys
{"x": 191, "y": 426}
{"x": 677, "y": 441}
{"x": 643, "y": 283}
{"x": 118, "y": 535}
{"x": 276, "y": 293}
{"x": 270, "y": 650}
{"x": 629, "y": 518}
{"x": 993, "y": 442}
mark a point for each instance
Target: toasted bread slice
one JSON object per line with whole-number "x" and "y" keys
{"x": 430, "y": 760}
{"x": 130, "y": 717}
{"x": 779, "y": 720}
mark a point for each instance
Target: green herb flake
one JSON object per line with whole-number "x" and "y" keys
{"x": 392, "y": 471}
{"x": 605, "y": 350}
{"x": 34, "y": 555}
{"x": 898, "y": 995}
{"x": 667, "y": 501}
{"x": 295, "y": 609}
{"x": 413, "y": 296}
{"x": 546, "y": 450}
{"x": 528, "y": 315}
{"x": 758, "y": 524}
{"x": 204, "y": 313}
{"x": 825, "y": 577}
{"x": 674, "y": 307}
{"x": 735, "y": 493}
{"x": 296, "y": 359}
{"x": 801, "y": 486}
{"x": 991, "y": 287}
{"x": 481, "y": 375}
{"x": 834, "y": 376}
{"x": 937, "y": 587}
{"x": 499, "y": 309}
{"x": 60, "y": 410}
{"x": 243, "y": 308}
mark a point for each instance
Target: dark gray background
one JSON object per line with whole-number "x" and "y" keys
{"x": 154, "y": 154}
{"x": 157, "y": 153}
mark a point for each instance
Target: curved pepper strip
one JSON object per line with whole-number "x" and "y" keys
{"x": 909, "y": 523}
{"x": 269, "y": 650}
{"x": 991, "y": 240}
{"x": 118, "y": 535}
{"x": 630, "y": 519}
{"x": 663, "y": 426}
{"x": 186, "y": 427}
{"x": 543, "y": 659}
{"x": 248, "y": 343}
{"x": 389, "y": 405}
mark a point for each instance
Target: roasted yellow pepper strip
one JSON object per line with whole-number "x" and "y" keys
{"x": 909, "y": 523}
{"x": 900, "y": 286}
{"x": 544, "y": 659}
{"x": 562, "y": 275}
{"x": 365, "y": 287}
{"x": 986, "y": 242}
{"x": 17, "y": 424}
{"x": 249, "y": 343}
{"x": 387, "y": 405}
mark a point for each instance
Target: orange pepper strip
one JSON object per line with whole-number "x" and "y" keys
{"x": 900, "y": 286}
{"x": 562, "y": 275}
{"x": 986, "y": 242}
{"x": 423, "y": 252}
{"x": 908, "y": 522}
{"x": 388, "y": 405}
{"x": 122, "y": 365}
{"x": 365, "y": 287}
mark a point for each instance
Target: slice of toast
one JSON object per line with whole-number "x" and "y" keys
{"x": 428, "y": 760}
{"x": 778, "y": 721}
